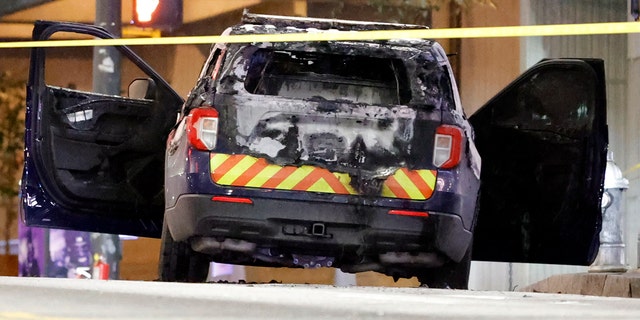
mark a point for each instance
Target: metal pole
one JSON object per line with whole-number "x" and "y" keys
{"x": 106, "y": 60}
{"x": 106, "y": 79}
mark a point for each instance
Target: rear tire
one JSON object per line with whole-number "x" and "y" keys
{"x": 453, "y": 275}
{"x": 179, "y": 263}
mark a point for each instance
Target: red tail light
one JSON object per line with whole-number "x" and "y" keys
{"x": 202, "y": 128}
{"x": 447, "y": 146}
{"x": 410, "y": 213}
{"x": 232, "y": 199}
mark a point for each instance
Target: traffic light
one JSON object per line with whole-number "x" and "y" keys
{"x": 158, "y": 14}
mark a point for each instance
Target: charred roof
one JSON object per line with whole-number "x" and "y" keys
{"x": 323, "y": 24}
{"x": 272, "y": 24}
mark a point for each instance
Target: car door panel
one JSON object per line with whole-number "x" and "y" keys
{"x": 95, "y": 162}
{"x": 543, "y": 143}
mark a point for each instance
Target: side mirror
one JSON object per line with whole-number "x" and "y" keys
{"x": 142, "y": 88}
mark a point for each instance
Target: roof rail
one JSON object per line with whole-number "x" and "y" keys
{"x": 323, "y": 24}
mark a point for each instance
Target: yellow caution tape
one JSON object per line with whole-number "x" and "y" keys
{"x": 632, "y": 169}
{"x": 450, "y": 33}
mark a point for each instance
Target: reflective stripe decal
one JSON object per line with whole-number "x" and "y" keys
{"x": 410, "y": 184}
{"x": 248, "y": 171}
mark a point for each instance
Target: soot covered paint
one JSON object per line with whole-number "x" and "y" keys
{"x": 320, "y": 104}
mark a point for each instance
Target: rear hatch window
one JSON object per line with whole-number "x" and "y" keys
{"x": 358, "y": 79}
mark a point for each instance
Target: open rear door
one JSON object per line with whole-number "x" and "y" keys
{"x": 543, "y": 143}
{"x": 94, "y": 162}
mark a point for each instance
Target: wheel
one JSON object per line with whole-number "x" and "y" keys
{"x": 450, "y": 276}
{"x": 179, "y": 263}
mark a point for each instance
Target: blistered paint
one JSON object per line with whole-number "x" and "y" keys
{"x": 346, "y": 133}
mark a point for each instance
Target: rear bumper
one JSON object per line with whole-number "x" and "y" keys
{"x": 304, "y": 227}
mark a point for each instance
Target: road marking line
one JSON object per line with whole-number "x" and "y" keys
{"x": 30, "y": 316}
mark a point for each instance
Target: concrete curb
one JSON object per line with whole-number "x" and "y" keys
{"x": 624, "y": 285}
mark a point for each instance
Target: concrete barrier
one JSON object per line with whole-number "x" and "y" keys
{"x": 625, "y": 285}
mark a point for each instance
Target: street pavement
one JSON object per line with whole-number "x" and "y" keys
{"x": 70, "y": 299}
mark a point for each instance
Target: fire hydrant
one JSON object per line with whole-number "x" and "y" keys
{"x": 611, "y": 255}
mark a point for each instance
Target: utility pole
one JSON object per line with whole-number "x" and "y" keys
{"x": 106, "y": 60}
{"x": 106, "y": 79}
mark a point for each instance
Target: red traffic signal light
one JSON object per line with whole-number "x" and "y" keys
{"x": 158, "y": 14}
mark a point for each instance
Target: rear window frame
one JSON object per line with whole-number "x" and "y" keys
{"x": 397, "y": 75}
{"x": 420, "y": 61}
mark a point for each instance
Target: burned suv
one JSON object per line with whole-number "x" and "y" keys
{"x": 347, "y": 154}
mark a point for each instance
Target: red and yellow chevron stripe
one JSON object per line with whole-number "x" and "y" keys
{"x": 247, "y": 171}
{"x": 410, "y": 184}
